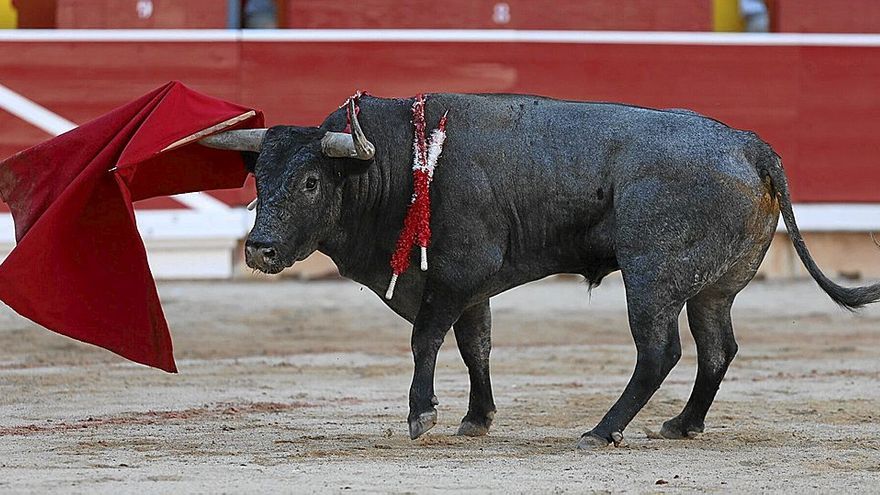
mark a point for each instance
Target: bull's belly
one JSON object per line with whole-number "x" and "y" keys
{"x": 408, "y": 293}
{"x": 510, "y": 277}
{"x": 589, "y": 253}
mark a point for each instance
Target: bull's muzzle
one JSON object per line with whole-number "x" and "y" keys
{"x": 262, "y": 256}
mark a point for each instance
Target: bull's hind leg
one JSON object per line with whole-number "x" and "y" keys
{"x": 653, "y": 318}
{"x": 709, "y": 319}
{"x": 473, "y": 335}
{"x": 667, "y": 249}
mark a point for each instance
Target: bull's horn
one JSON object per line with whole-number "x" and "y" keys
{"x": 365, "y": 149}
{"x": 240, "y": 140}
{"x": 344, "y": 145}
{"x": 338, "y": 145}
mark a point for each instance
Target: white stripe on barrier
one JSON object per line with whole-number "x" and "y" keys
{"x": 189, "y": 224}
{"x": 109, "y": 35}
{"x": 202, "y": 202}
{"x": 547, "y": 36}
{"x": 836, "y": 217}
{"x": 32, "y": 113}
{"x": 440, "y": 36}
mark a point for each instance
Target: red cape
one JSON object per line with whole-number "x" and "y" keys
{"x": 79, "y": 267}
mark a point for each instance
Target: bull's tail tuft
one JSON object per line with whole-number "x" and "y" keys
{"x": 850, "y": 298}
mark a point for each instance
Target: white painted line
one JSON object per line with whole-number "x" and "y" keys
{"x": 202, "y": 202}
{"x": 105, "y": 35}
{"x": 33, "y": 113}
{"x": 7, "y": 230}
{"x": 545, "y": 36}
{"x": 440, "y": 36}
{"x": 835, "y": 217}
{"x": 189, "y": 224}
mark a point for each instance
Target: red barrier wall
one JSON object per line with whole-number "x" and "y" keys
{"x": 817, "y": 105}
{"x": 35, "y": 14}
{"x": 827, "y": 16}
{"x": 115, "y": 14}
{"x": 624, "y": 15}
{"x": 796, "y": 16}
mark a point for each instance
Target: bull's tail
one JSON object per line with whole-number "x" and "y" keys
{"x": 850, "y": 298}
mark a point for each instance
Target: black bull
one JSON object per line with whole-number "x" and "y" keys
{"x": 683, "y": 205}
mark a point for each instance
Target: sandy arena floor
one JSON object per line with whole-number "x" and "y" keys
{"x": 302, "y": 387}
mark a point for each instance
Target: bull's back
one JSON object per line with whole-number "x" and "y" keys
{"x": 559, "y": 139}
{"x": 541, "y": 155}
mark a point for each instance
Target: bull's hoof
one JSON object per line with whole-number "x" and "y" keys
{"x": 591, "y": 441}
{"x": 422, "y": 423}
{"x": 674, "y": 430}
{"x": 468, "y": 429}
{"x": 475, "y": 427}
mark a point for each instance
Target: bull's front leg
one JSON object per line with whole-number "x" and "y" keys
{"x": 473, "y": 334}
{"x": 438, "y": 311}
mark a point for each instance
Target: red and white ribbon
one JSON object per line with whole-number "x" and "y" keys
{"x": 417, "y": 223}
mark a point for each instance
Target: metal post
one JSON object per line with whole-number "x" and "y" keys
{"x": 234, "y": 14}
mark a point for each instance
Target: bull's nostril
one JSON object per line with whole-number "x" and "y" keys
{"x": 258, "y": 251}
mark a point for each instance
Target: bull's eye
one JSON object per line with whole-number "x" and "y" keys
{"x": 311, "y": 183}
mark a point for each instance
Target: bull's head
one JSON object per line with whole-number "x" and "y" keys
{"x": 299, "y": 172}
